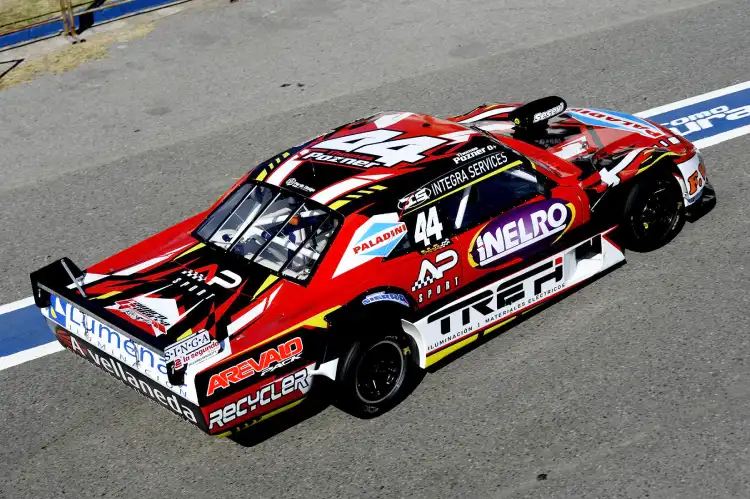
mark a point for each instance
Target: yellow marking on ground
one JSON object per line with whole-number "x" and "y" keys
{"x": 499, "y": 170}
{"x": 447, "y": 351}
{"x": 107, "y": 295}
{"x": 269, "y": 280}
{"x": 190, "y": 250}
{"x": 338, "y": 204}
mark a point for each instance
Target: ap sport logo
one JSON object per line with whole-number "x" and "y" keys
{"x": 619, "y": 121}
{"x": 509, "y": 234}
{"x": 376, "y": 238}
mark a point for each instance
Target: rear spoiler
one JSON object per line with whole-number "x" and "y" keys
{"x": 63, "y": 278}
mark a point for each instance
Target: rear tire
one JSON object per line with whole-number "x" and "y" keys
{"x": 376, "y": 373}
{"x": 654, "y": 213}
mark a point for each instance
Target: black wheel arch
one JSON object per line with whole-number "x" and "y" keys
{"x": 356, "y": 319}
{"x": 609, "y": 207}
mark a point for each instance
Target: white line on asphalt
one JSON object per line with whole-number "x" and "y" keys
{"x": 722, "y": 137}
{"x": 694, "y": 100}
{"x": 10, "y": 307}
{"x": 30, "y": 354}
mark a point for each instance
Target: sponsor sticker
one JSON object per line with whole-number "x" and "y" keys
{"x": 380, "y": 239}
{"x": 612, "y": 119}
{"x": 140, "y": 312}
{"x": 127, "y": 375}
{"x": 521, "y": 228}
{"x": 271, "y": 359}
{"x": 545, "y": 115}
{"x": 267, "y": 396}
{"x": 492, "y": 304}
{"x": 376, "y": 238}
{"x": 192, "y": 349}
{"x": 292, "y": 182}
{"x": 109, "y": 340}
{"x": 384, "y": 296}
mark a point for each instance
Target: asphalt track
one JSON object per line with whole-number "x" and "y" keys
{"x": 637, "y": 385}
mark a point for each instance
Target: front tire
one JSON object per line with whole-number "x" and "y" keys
{"x": 375, "y": 374}
{"x": 654, "y": 213}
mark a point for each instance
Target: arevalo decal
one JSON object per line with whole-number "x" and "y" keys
{"x": 521, "y": 228}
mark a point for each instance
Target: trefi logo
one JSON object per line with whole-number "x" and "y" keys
{"x": 517, "y": 231}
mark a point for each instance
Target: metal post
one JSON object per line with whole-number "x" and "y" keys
{"x": 69, "y": 24}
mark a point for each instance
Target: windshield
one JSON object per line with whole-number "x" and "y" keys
{"x": 272, "y": 227}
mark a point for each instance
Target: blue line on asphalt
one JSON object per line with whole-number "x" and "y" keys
{"x": 23, "y": 329}
{"x": 696, "y": 119}
{"x": 708, "y": 118}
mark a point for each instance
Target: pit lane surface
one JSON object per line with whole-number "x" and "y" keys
{"x": 637, "y": 384}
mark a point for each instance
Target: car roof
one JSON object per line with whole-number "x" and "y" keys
{"x": 372, "y": 161}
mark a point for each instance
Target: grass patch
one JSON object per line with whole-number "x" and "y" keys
{"x": 70, "y": 56}
{"x": 19, "y": 13}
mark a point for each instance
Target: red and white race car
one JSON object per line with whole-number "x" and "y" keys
{"x": 370, "y": 253}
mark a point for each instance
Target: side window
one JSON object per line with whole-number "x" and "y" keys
{"x": 431, "y": 225}
{"x": 491, "y": 197}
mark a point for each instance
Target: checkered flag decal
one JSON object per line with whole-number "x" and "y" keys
{"x": 421, "y": 283}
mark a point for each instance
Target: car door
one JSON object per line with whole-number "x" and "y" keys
{"x": 508, "y": 218}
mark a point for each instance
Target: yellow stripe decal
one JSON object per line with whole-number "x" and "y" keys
{"x": 447, "y": 351}
{"x": 105, "y": 296}
{"x": 314, "y": 321}
{"x": 190, "y": 250}
{"x": 338, "y": 204}
{"x": 269, "y": 280}
{"x": 184, "y": 335}
{"x": 499, "y": 170}
{"x": 353, "y": 196}
{"x": 279, "y": 410}
{"x": 262, "y": 175}
{"x": 378, "y": 187}
{"x": 656, "y": 160}
{"x": 363, "y": 191}
{"x": 493, "y": 328}
{"x": 285, "y": 155}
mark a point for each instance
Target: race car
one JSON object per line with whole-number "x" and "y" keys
{"x": 366, "y": 255}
